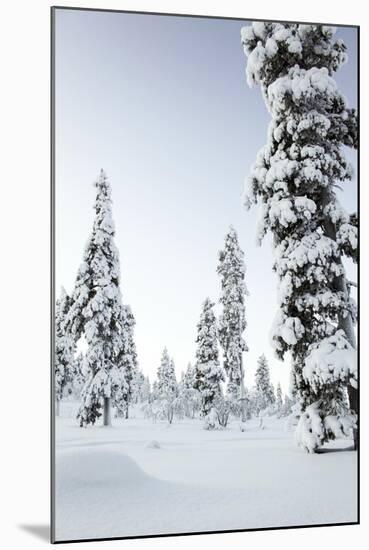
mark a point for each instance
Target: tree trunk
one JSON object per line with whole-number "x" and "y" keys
{"x": 346, "y": 324}
{"x": 170, "y": 414}
{"x": 57, "y": 407}
{"x": 127, "y": 410}
{"x": 107, "y": 411}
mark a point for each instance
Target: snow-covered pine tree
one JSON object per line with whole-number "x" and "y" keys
{"x": 145, "y": 393}
{"x": 137, "y": 385}
{"x": 78, "y": 380}
{"x": 126, "y": 359}
{"x": 253, "y": 402}
{"x": 264, "y": 389}
{"x": 295, "y": 180}
{"x": 188, "y": 394}
{"x": 248, "y": 403}
{"x": 155, "y": 391}
{"x": 64, "y": 349}
{"x": 208, "y": 373}
{"x": 189, "y": 376}
{"x": 162, "y": 369}
{"x": 167, "y": 385}
{"x": 279, "y": 400}
{"x": 96, "y": 311}
{"x": 232, "y": 322}
{"x": 173, "y": 374}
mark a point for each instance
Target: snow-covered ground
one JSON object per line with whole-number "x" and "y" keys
{"x": 142, "y": 478}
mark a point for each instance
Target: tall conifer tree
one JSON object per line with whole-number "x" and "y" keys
{"x": 96, "y": 311}
{"x": 295, "y": 180}
{"x": 264, "y": 389}
{"x": 232, "y": 322}
{"x": 208, "y": 373}
{"x": 167, "y": 387}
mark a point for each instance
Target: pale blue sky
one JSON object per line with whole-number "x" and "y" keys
{"x": 162, "y": 104}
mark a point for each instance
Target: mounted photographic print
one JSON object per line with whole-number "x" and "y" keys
{"x": 204, "y": 274}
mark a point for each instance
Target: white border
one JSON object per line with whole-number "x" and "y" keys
{"x": 24, "y": 271}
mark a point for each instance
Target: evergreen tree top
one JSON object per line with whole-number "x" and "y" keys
{"x": 103, "y": 187}
{"x": 231, "y": 267}
{"x": 231, "y": 249}
{"x": 273, "y": 48}
{"x": 262, "y": 371}
{"x": 103, "y": 222}
{"x": 164, "y": 361}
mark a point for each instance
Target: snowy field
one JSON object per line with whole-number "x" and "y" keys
{"x": 142, "y": 478}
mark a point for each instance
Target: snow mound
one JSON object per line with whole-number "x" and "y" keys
{"x": 91, "y": 467}
{"x": 153, "y": 444}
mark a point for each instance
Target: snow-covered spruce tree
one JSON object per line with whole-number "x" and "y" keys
{"x": 188, "y": 399}
{"x": 189, "y": 394}
{"x": 232, "y": 322}
{"x": 155, "y": 391}
{"x": 126, "y": 360}
{"x": 145, "y": 390}
{"x": 77, "y": 380}
{"x": 208, "y": 373}
{"x": 279, "y": 400}
{"x": 167, "y": 386}
{"x": 253, "y": 402}
{"x": 295, "y": 180}
{"x": 137, "y": 385}
{"x": 64, "y": 349}
{"x": 163, "y": 368}
{"x": 96, "y": 311}
{"x": 264, "y": 389}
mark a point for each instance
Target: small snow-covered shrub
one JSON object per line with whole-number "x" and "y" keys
{"x": 211, "y": 420}
{"x": 310, "y": 429}
{"x": 223, "y": 410}
{"x": 152, "y": 411}
{"x": 315, "y": 428}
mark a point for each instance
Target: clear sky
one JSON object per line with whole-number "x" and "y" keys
{"x": 161, "y": 103}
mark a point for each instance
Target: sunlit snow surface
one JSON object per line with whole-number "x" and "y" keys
{"x": 144, "y": 478}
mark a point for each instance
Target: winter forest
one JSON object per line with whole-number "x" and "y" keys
{"x": 243, "y": 432}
